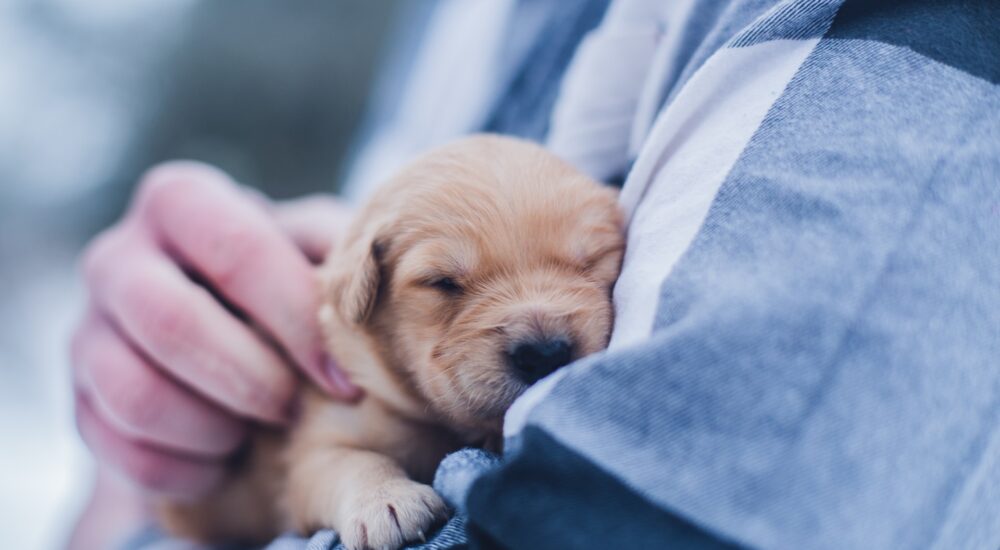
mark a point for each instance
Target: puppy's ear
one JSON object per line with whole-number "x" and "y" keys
{"x": 353, "y": 277}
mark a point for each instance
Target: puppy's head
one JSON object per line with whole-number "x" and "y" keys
{"x": 481, "y": 268}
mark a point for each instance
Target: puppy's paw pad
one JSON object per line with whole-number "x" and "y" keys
{"x": 398, "y": 512}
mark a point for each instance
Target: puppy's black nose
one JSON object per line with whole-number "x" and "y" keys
{"x": 533, "y": 360}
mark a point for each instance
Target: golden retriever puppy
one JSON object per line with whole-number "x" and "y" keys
{"x": 479, "y": 269}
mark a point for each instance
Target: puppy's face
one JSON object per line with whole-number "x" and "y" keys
{"x": 482, "y": 268}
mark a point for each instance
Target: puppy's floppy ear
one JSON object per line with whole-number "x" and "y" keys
{"x": 354, "y": 274}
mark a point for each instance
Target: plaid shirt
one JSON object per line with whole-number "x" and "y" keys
{"x": 807, "y": 342}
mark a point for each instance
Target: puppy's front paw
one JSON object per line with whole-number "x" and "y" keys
{"x": 397, "y": 512}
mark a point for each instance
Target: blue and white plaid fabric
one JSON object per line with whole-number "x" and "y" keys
{"x": 807, "y": 347}
{"x": 807, "y": 343}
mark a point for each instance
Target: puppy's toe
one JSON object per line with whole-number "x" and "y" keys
{"x": 398, "y": 512}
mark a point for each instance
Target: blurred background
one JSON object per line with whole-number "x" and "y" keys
{"x": 92, "y": 92}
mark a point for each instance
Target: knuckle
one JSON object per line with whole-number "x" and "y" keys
{"x": 234, "y": 250}
{"x": 166, "y": 318}
{"x": 137, "y": 404}
{"x": 160, "y": 314}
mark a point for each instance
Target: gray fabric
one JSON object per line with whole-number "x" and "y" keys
{"x": 824, "y": 369}
{"x": 457, "y": 472}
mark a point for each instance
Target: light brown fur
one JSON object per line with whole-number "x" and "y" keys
{"x": 471, "y": 249}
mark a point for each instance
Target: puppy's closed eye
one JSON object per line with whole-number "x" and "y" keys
{"x": 445, "y": 284}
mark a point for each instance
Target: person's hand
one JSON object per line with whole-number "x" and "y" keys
{"x": 203, "y": 300}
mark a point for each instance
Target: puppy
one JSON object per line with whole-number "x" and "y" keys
{"x": 478, "y": 270}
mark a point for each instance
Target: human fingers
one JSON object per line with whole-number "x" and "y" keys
{"x": 151, "y": 469}
{"x": 142, "y": 403}
{"x": 184, "y": 330}
{"x": 201, "y": 216}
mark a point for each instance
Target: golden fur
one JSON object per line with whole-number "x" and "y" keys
{"x": 473, "y": 248}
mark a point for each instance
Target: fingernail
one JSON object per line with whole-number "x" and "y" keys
{"x": 339, "y": 381}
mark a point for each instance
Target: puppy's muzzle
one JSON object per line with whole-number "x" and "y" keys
{"x": 536, "y": 358}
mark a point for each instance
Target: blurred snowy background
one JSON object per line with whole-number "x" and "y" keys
{"x": 91, "y": 93}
